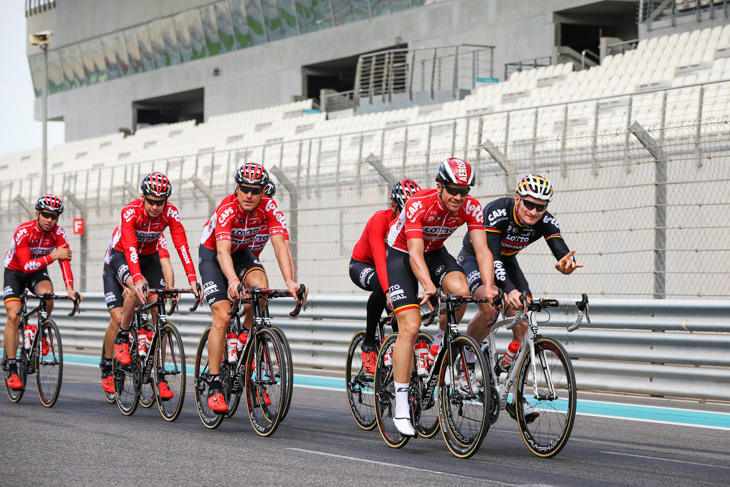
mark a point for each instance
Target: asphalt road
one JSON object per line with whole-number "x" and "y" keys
{"x": 83, "y": 440}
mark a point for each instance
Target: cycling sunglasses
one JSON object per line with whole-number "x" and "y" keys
{"x": 253, "y": 190}
{"x": 456, "y": 191}
{"x": 533, "y": 206}
{"x": 152, "y": 202}
{"x": 52, "y": 216}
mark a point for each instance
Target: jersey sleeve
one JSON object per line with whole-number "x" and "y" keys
{"x": 379, "y": 227}
{"x": 474, "y": 218}
{"x": 180, "y": 240}
{"x": 129, "y": 241}
{"x": 61, "y": 240}
{"x": 22, "y": 252}
{"x": 275, "y": 219}
{"x": 414, "y": 211}
{"x": 496, "y": 221}
{"x": 162, "y": 247}
{"x": 223, "y": 226}
{"x": 551, "y": 231}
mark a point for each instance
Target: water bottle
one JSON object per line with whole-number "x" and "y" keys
{"x": 509, "y": 355}
{"x": 432, "y": 353}
{"x": 388, "y": 356}
{"x": 144, "y": 338}
{"x": 242, "y": 339}
{"x": 28, "y": 335}
{"x": 232, "y": 347}
{"x": 421, "y": 349}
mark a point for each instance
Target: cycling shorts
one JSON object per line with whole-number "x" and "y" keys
{"x": 112, "y": 289}
{"x": 468, "y": 262}
{"x": 16, "y": 282}
{"x": 149, "y": 265}
{"x": 215, "y": 284}
{"x": 402, "y": 281}
{"x": 364, "y": 275}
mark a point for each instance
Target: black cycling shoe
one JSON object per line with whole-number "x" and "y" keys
{"x": 529, "y": 418}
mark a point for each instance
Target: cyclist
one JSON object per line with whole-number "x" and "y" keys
{"x": 114, "y": 296}
{"x": 511, "y": 224}
{"x": 135, "y": 261}
{"x": 35, "y": 245}
{"x": 416, "y": 255}
{"x": 225, "y": 255}
{"x": 368, "y": 262}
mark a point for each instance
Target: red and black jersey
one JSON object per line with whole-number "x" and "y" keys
{"x": 425, "y": 217}
{"x": 31, "y": 249}
{"x": 139, "y": 234}
{"x": 371, "y": 246}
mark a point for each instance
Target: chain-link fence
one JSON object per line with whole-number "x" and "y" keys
{"x": 646, "y": 211}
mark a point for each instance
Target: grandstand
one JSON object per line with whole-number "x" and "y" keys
{"x": 637, "y": 228}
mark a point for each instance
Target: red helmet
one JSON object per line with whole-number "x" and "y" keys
{"x": 156, "y": 184}
{"x": 455, "y": 171}
{"x": 253, "y": 174}
{"x": 49, "y": 202}
{"x": 402, "y": 190}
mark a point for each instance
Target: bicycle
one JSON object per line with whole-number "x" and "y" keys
{"x": 263, "y": 369}
{"x": 45, "y": 355}
{"x": 553, "y": 398}
{"x": 165, "y": 361}
{"x": 462, "y": 404}
{"x": 359, "y": 382}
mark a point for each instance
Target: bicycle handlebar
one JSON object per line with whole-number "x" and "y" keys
{"x": 164, "y": 292}
{"x": 543, "y": 303}
{"x": 47, "y": 296}
{"x": 258, "y": 293}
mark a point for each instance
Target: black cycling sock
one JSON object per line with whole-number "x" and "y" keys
{"x": 215, "y": 383}
{"x": 12, "y": 368}
{"x": 107, "y": 364}
{"x": 375, "y": 306}
{"x": 122, "y": 336}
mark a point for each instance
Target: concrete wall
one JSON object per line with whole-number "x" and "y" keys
{"x": 271, "y": 73}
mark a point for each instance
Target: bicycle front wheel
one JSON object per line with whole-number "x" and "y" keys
{"x": 463, "y": 403}
{"x": 128, "y": 379}
{"x": 266, "y": 382}
{"x": 49, "y": 363}
{"x": 546, "y": 418}
{"x": 22, "y": 365}
{"x": 169, "y": 367}
{"x": 384, "y": 390}
{"x": 289, "y": 369}
{"x": 210, "y": 419}
{"x": 359, "y": 385}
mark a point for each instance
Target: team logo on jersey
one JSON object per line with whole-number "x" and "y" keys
{"x": 173, "y": 213}
{"x": 473, "y": 208}
{"x": 550, "y": 219}
{"x": 133, "y": 255}
{"x": 32, "y": 266}
{"x": 184, "y": 254}
{"x": 497, "y": 215}
{"x": 225, "y": 215}
{"x": 413, "y": 210}
{"x": 499, "y": 273}
{"x": 128, "y": 215}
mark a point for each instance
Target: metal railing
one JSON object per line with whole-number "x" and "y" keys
{"x": 341, "y": 100}
{"x": 519, "y": 66}
{"x": 428, "y": 70}
{"x": 662, "y": 348}
{"x": 654, "y": 10}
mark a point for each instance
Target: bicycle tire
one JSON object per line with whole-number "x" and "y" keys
{"x": 210, "y": 418}
{"x": 359, "y": 385}
{"x": 463, "y": 403}
{"x": 49, "y": 363}
{"x": 266, "y": 382}
{"x": 128, "y": 379}
{"x": 427, "y": 412}
{"x": 385, "y": 396}
{"x": 289, "y": 369}
{"x": 546, "y": 435}
{"x": 147, "y": 397}
{"x": 15, "y": 395}
{"x": 109, "y": 397}
{"x": 169, "y": 366}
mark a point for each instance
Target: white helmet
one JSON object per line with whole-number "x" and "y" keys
{"x": 536, "y": 186}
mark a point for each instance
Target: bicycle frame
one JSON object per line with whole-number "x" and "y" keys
{"x": 527, "y": 346}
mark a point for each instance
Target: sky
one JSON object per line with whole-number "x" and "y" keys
{"x": 18, "y": 130}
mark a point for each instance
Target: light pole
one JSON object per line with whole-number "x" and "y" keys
{"x": 41, "y": 39}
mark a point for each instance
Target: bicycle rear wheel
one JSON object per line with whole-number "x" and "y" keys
{"x": 426, "y": 413}
{"x": 266, "y": 382}
{"x": 49, "y": 363}
{"x": 169, "y": 366}
{"x": 289, "y": 369}
{"x": 384, "y": 391}
{"x": 546, "y": 434}
{"x": 128, "y": 379}
{"x": 109, "y": 397}
{"x": 22, "y": 365}
{"x": 359, "y": 385}
{"x": 463, "y": 403}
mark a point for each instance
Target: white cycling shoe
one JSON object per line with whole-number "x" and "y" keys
{"x": 404, "y": 426}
